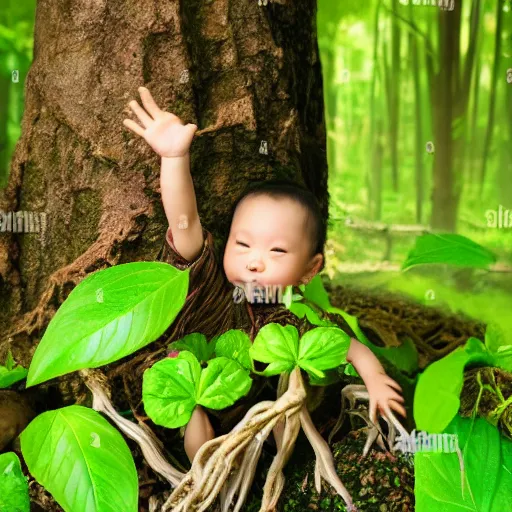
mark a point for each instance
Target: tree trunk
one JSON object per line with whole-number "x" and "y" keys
{"x": 419, "y": 143}
{"x": 492, "y": 95}
{"x": 246, "y": 73}
{"x": 394, "y": 115}
{"x": 4, "y": 114}
{"x": 444, "y": 200}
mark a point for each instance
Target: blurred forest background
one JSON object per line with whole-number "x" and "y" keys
{"x": 418, "y": 104}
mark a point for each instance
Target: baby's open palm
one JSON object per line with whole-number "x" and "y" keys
{"x": 163, "y": 131}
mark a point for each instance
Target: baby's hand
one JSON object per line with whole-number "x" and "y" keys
{"x": 383, "y": 396}
{"x": 165, "y": 132}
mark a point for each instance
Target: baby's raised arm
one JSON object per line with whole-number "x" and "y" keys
{"x": 171, "y": 139}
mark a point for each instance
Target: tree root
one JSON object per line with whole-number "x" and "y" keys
{"x": 354, "y": 392}
{"x": 324, "y": 466}
{"x": 215, "y": 469}
{"x": 141, "y": 433}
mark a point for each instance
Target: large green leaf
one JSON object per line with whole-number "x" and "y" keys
{"x": 323, "y": 348}
{"x": 109, "y": 315}
{"x": 488, "y": 472}
{"x": 13, "y": 485}
{"x": 449, "y": 249}
{"x": 222, "y": 383}
{"x": 235, "y": 344}
{"x": 278, "y": 346}
{"x": 195, "y": 343}
{"x": 11, "y": 373}
{"x": 169, "y": 390}
{"x": 437, "y": 395}
{"x": 84, "y": 462}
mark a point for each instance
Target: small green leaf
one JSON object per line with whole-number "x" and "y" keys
{"x": 82, "y": 460}
{"x": 10, "y": 377}
{"x": 301, "y": 310}
{"x": 315, "y": 292}
{"x": 13, "y": 485}
{"x": 323, "y": 348}
{"x": 195, "y": 343}
{"x": 235, "y": 345}
{"x": 169, "y": 390}
{"x": 109, "y": 315}
{"x": 451, "y": 249}
{"x": 277, "y": 345}
{"x": 9, "y": 360}
{"x": 222, "y": 383}
{"x": 350, "y": 370}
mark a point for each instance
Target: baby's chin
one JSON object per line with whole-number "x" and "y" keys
{"x": 259, "y": 282}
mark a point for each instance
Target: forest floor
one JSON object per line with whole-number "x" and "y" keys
{"x": 380, "y": 482}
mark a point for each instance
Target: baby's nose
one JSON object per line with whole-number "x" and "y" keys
{"x": 255, "y": 265}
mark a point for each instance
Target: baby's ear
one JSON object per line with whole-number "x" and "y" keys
{"x": 314, "y": 267}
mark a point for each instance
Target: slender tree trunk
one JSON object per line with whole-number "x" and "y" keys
{"x": 244, "y": 72}
{"x": 474, "y": 138}
{"x": 443, "y": 213}
{"x": 374, "y": 173}
{"x": 394, "y": 106}
{"x": 419, "y": 143}
{"x": 492, "y": 97}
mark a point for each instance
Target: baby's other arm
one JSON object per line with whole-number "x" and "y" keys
{"x": 383, "y": 390}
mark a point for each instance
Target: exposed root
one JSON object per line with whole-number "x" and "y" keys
{"x": 214, "y": 468}
{"x": 141, "y": 433}
{"x": 354, "y": 392}
{"x": 324, "y": 467}
{"x": 210, "y": 470}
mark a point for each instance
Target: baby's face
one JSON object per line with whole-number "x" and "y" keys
{"x": 269, "y": 243}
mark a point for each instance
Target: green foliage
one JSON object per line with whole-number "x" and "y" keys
{"x": 81, "y": 460}
{"x": 13, "y": 485}
{"x": 404, "y": 357}
{"x": 322, "y": 348}
{"x": 11, "y": 373}
{"x": 109, "y": 315}
{"x": 449, "y": 249}
{"x": 196, "y": 344}
{"x": 235, "y": 344}
{"x": 437, "y": 395}
{"x": 172, "y": 388}
{"x": 488, "y": 471}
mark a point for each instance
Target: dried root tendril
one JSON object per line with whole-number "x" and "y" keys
{"x": 226, "y": 465}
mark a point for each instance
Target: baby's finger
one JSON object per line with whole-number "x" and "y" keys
{"x": 395, "y": 396}
{"x": 373, "y": 411}
{"x": 393, "y": 383}
{"x": 149, "y": 102}
{"x": 134, "y": 127}
{"x": 141, "y": 113}
{"x": 397, "y": 407}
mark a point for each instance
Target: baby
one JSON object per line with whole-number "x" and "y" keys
{"x": 266, "y": 245}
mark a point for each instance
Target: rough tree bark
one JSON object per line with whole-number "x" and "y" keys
{"x": 243, "y": 73}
